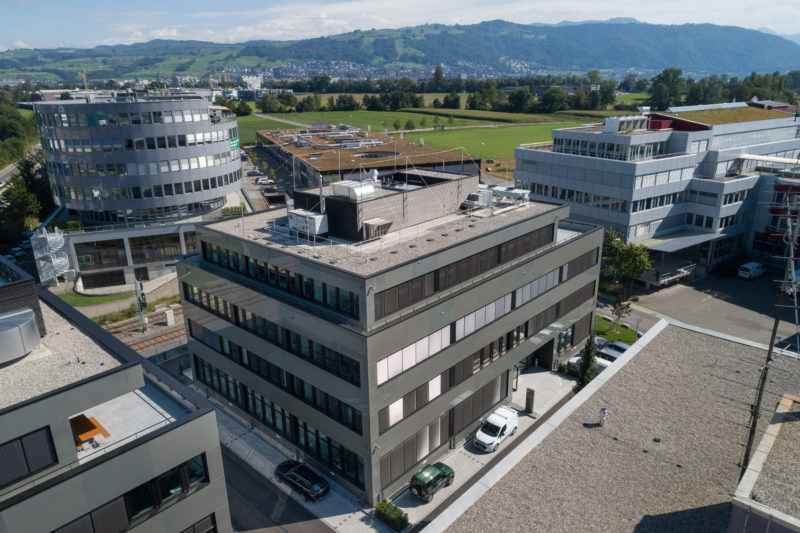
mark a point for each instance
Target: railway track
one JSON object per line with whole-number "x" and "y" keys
{"x": 159, "y": 339}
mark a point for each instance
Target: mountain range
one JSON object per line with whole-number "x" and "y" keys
{"x": 488, "y": 49}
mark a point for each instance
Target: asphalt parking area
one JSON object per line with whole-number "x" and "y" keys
{"x": 730, "y": 305}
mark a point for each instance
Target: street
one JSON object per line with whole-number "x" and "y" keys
{"x": 258, "y": 506}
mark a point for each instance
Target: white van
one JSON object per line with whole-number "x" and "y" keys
{"x": 752, "y": 270}
{"x": 499, "y": 425}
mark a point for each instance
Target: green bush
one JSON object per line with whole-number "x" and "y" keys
{"x": 65, "y": 224}
{"x": 568, "y": 370}
{"x": 391, "y": 515}
{"x": 230, "y": 211}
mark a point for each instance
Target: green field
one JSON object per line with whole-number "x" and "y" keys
{"x": 499, "y": 116}
{"x": 250, "y": 124}
{"x": 489, "y": 143}
{"x": 79, "y": 300}
{"x": 378, "y": 120}
{"x": 633, "y": 98}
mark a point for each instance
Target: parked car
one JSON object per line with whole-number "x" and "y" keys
{"x": 752, "y": 270}
{"x": 264, "y": 181}
{"x": 17, "y": 252}
{"x": 10, "y": 258}
{"x": 253, "y": 173}
{"x": 600, "y": 342}
{"x": 499, "y": 425}
{"x": 613, "y": 350}
{"x": 270, "y": 188}
{"x": 599, "y": 364}
{"x": 428, "y": 481}
{"x": 303, "y": 478}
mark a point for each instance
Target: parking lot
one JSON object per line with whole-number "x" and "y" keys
{"x": 730, "y": 305}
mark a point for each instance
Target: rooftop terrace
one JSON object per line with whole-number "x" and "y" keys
{"x": 66, "y": 355}
{"x": 717, "y": 117}
{"x": 667, "y": 457}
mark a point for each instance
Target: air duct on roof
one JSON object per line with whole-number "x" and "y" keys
{"x": 19, "y": 334}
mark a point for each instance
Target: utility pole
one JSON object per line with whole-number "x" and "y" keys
{"x": 141, "y": 302}
{"x": 755, "y": 409}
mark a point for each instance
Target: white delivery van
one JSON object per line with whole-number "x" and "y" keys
{"x": 752, "y": 270}
{"x": 500, "y": 424}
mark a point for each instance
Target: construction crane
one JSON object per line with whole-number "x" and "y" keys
{"x": 83, "y": 73}
{"x": 210, "y": 79}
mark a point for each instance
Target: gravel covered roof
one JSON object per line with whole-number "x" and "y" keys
{"x": 66, "y": 355}
{"x": 667, "y": 458}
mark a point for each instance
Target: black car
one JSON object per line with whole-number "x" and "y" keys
{"x": 254, "y": 173}
{"x": 302, "y": 478}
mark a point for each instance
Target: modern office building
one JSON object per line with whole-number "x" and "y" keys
{"x": 127, "y": 157}
{"x": 93, "y": 438}
{"x": 139, "y": 169}
{"x": 325, "y": 153}
{"x": 372, "y": 327}
{"x": 685, "y": 183}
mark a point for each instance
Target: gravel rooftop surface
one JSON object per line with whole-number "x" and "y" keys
{"x": 395, "y": 248}
{"x": 777, "y": 485}
{"x": 41, "y": 372}
{"x": 690, "y": 390}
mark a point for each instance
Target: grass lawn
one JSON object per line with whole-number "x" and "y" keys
{"x": 250, "y": 124}
{"x": 612, "y": 331}
{"x": 78, "y": 300}
{"x": 633, "y": 98}
{"x": 498, "y": 143}
{"x": 378, "y": 120}
{"x": 130, "y": 312}
{"x": 583, "y": 116}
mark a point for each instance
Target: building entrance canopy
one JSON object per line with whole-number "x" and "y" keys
{"x": 679, "y": 241}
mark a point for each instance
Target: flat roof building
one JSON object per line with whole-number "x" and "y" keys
{"x": 666, "y": 458}
{"x": 372, "y": 327}
{"x": 678, "y": 182}
{"x": 93, "y": 438}
{"x": 325, "y": 152}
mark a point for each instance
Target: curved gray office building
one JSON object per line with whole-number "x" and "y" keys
{"x": 125, "y": 157}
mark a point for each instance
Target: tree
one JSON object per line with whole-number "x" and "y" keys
{"x": 436, "y": 104}
{"x": 288, "y": 100}
{"x": 553, "y": 99}
{"x": 424, "y": 122}
{"x": 612, "y": 241}
{"x": 608, "y": 92}
{"x": 632, "y": 261}
{"x": 586, "y": 368}
{"x": 397, "y": 124}
{"x": 65, "y": 96}
{"x": 269, "y": 104}
{"x": 437, "y": 82}
{"x": 452, "y": 101}
{"x": 520, "y": 100}
{"x": 621, "y": 309}
{"x": 243, "y": 109}
{"x": 660, "y": 98}
{"x": 667, "y": 88}
{"x": 594, "y": 76}
{"x": 410, "y": 125}
{"x": 21, "y": 205}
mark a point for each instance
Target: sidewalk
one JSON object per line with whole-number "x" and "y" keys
{"x": 339, "y": 509}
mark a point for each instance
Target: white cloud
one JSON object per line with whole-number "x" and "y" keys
{"x": 163, "y": 33}
{"x": 20, "y": 44}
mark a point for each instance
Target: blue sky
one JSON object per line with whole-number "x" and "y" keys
{"x": 86, "y": 23}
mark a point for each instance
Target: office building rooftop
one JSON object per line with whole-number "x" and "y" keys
{"x": 667, "y": 457}
{"x": 66, "y": 355}
{"x": 717, "y": 117}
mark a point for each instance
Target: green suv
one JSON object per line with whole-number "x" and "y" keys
{"x": 430, "y": 479}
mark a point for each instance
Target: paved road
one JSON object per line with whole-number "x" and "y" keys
{"x": 258, "y": 506}
{"x": 9, "y": 170}
{"x": 728, "y": 305}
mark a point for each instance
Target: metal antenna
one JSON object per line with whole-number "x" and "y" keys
{"x": 755, "y": 409}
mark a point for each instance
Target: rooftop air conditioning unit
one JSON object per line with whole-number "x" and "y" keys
{"x": 19, "y": 334}
{"x": 308, "y": 222}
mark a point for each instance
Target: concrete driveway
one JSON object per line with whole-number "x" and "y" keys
{"x": 728, "y": 305}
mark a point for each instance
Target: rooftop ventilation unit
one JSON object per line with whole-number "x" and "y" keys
{"x": 19, "y": 334}
{"x": 376, "y": 227}
{"x": 356, "y": 191}
{"x": 308, "y": 222}
{"x": 514, "y": 194}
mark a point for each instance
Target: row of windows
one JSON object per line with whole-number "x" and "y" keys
{"x": 659, "y": 201}
{"x": 340, "y": 300}
{"x": 407, "y": 455}
{"x": 738, "y": 196}
{"x": 330, "y": 360}
{"x": 151, "y": 168}
{"x": 320, "y": 400}
{"x": 419, "y": 397}
{"x": 662, "y": 178}
{"x": 297, "y": 431}
{"x": 410, "y": 292}
{"x": 131, "y": 144}
{"x": 149, "y": 498}
{"x": 146, "y": 191}
{"x": 154, "y": 213}
{"x": 580, "y": 197}
{"x": 604, "y": 150}
{"x": 133, "y": 118}
{"x": 393, "y": 365}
